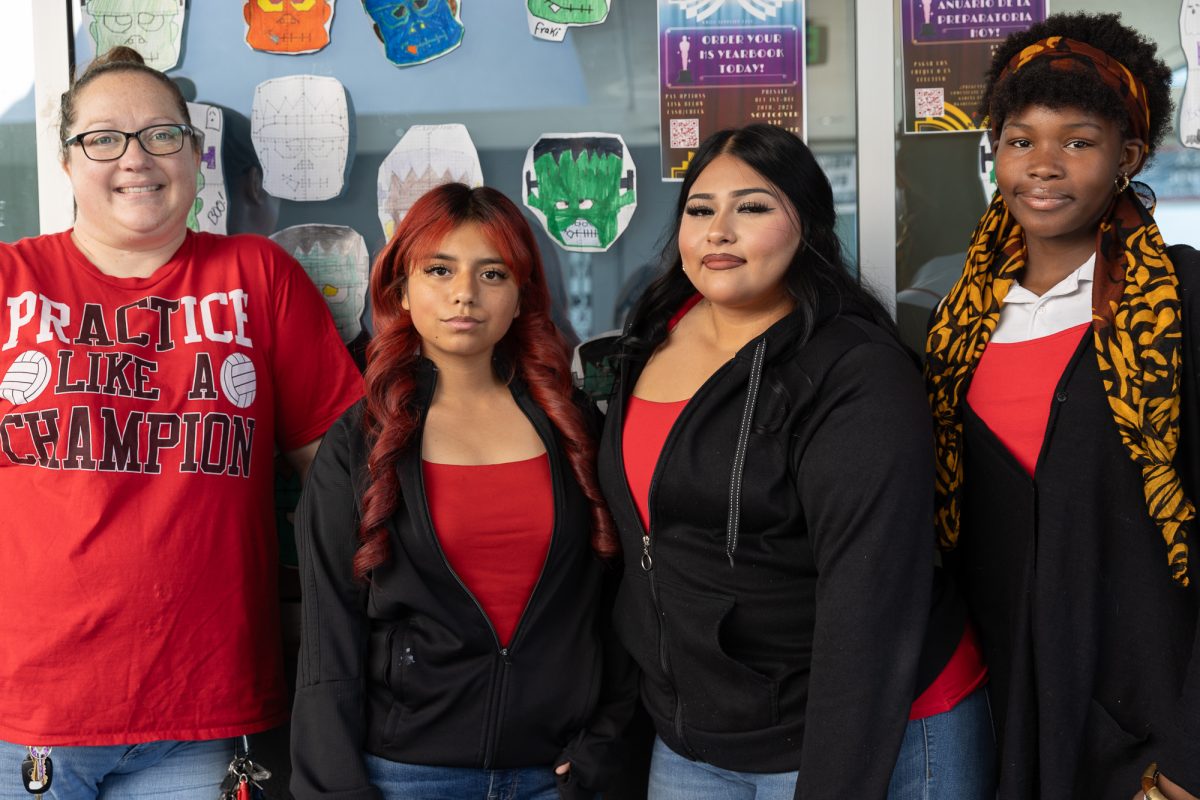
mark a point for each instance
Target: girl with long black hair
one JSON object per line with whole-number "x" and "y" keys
{"x": 768, "y": 461}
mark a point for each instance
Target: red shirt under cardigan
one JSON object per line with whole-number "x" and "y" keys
{"x": 494, "y": 522}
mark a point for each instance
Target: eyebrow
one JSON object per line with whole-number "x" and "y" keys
{"x": 735, "y": 193}
{"x": 478, "y": 262}
{"x": 1092, "y": 125}
{"x": 114, "y": 127}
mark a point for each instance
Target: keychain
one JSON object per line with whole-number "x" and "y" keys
{"x": 37, "y": 770}
{"x": 242, "y": 782}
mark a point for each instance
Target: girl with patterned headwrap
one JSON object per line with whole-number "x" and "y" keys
{"x": 1064, "y": 392}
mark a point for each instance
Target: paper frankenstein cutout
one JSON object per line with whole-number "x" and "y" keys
{"x": 549, "y": 19}
{"x": 426, "y": 156}
{"x": 582, "y": 187}
{"x": 416, "y": 31}
{"x": 300, "y": 127}
{"x": 1189, "y": 104}
{"x": 152, "y": 27}
{"x": 288, "y": 26}
{"x": 212, "y": 204}
{"x": 336, "y": 259}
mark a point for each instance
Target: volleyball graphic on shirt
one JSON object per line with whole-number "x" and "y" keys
{"x": 238, "y": 380}
{"x": 25, "y": 378}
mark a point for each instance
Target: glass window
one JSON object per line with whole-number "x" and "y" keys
{"x": 18, "y": 148}
{"x": 508, "y": 88}
{"x": 941, "y": 196}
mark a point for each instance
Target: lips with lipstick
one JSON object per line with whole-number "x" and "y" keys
{"x": 721, "y": 261}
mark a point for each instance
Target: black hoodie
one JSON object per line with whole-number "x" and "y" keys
{"x": 778, "y": 604}
{"x": 409, "y": 668}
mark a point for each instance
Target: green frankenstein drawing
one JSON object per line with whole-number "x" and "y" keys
{"x": 580, "y": 185}
{"x": 152, "y": 27}
{"x": 193, "y": 219}
{"x": 576, "y": 12}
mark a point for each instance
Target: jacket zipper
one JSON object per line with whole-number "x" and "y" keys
{"x": 559, "y": 501}
{"x": 647, "y": 561}
{"x": 490, "y": 735}
{"x": 493, "y": 732}
{"x": 504, "y": 654}
{"x": 665, "y": 662}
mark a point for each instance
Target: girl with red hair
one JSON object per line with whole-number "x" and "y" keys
{"x": 453, "y": 538}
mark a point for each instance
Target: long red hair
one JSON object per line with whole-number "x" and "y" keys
{"x": 533, "y": 347}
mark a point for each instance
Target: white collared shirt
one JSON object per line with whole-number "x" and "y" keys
{"x": 1068, "y": 303}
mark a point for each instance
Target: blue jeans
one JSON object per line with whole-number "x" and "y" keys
{"x": 162, "y": 770}
{"x": 674, "y": 777}
{"x": 402, "y": 781}
{"x": 950, "y": 756}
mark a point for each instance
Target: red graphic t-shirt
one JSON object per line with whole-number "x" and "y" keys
{"x": 138, "y": 422}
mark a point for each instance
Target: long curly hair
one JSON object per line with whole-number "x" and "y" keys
{"x": 532, "y": 349}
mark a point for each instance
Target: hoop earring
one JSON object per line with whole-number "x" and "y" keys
{"x": 1121, "y": 182}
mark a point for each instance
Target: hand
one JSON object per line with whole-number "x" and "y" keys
{"x": 563, "y": 769}
{"x": 1170, "y": 790}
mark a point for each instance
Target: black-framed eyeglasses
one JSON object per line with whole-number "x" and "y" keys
{"x": 157, "y": 140}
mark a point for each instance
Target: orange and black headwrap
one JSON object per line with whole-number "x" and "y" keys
{"x": 1135, "y": 323}
{"x": 1069, "y": 55}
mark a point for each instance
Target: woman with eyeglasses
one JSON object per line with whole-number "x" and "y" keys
{"x": 148, "y": 374}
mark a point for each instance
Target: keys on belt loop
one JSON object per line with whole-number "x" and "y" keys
{"x": 37, "y": 770}
{"x": 243, "y": 780}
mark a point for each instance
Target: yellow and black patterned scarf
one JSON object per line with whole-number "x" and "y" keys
{"x": 1135, "y": 323}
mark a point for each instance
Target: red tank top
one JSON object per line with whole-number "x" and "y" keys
{"x": 964, "y": 673}
{"x": 647, "y": 424}
{"x": 494, "y": 523}
{"x": 1013, "y": 388}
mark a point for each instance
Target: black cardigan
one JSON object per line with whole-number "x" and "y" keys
{"x": 786, "y": 635}
{"x": 1092, "y": 648}
{"x": 408, "y": 667}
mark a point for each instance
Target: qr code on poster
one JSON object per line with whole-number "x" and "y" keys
{"x": 685, "y": 133}
{"x": 931, "y": 102}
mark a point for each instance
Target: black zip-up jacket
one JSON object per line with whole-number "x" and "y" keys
{"x": 1094, "y": 651}
{"x": 777, "y": 605}
{"x": 409, "y": 668}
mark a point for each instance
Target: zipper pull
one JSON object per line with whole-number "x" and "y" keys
{"x": 505, "y": 657}
{"x": 647, "y": 561}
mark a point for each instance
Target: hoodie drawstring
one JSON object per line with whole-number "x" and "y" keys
{"x": 739, "y": 456}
